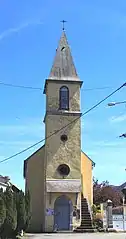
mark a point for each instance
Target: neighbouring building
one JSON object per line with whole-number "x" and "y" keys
{"x": 59, "y": 174}
{"x": 5, "y": 182}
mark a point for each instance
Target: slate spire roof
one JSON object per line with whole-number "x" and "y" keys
{"x": 63, "y": 65}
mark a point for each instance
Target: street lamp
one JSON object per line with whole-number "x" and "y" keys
{"x": 116, "y": 103}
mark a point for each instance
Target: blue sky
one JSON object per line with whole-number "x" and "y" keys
{"x": 29, "y": 34}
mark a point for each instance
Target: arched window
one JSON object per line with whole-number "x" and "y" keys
{"x": 64, "y": 98}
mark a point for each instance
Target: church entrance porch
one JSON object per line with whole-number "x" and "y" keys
{"x": 62, "y": 197}
{"x": 62, "y": 214}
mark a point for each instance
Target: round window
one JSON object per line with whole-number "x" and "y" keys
{"x": 63, "y": 138}
{"x": 63, "y": 169}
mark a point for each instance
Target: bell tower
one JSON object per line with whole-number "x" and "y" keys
{"x": 63, "y": 149}
{"x": 62, "y": 90}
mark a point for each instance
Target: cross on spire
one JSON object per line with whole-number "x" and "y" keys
{"x": 63, "y": 22}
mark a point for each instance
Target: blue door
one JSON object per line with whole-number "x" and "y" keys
{"x": 62, "y": 213}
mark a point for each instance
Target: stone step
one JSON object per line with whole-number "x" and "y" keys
{"x": 83, "y": 206}
{"x": 78, "y": 230}
{"x": 85, "y": 227}
{"x": 85, "y": 216}
{"x": 88, "y": 225}
{"x": 85, "y": 212}
{"x": 86, "y": 221}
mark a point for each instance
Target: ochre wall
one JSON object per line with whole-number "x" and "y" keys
{"x": 86, "y": 175}
{"x": 35, "y": 185}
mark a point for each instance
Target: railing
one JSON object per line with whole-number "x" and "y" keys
{"x": 90, "y": 210}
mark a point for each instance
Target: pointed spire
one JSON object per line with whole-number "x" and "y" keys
{"x": 63, "y": 66}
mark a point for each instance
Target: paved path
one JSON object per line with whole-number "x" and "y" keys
{"x": 78, "y": 236}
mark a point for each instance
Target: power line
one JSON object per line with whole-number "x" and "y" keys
{"x": 39, "y": 88}
{"x": 20, "y": 86}
{"x": 14, "y": 155}
{"x": 57, "y": 131}
{"x": 98, "y": 88}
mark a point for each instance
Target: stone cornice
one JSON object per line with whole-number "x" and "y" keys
{"x": 63, "y": 113}
{"x": 62, "y": 81}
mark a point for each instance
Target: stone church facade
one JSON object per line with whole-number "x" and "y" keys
{"x": 59, "y": 174}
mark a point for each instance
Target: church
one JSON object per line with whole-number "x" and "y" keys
{"x": 59, "y": 174}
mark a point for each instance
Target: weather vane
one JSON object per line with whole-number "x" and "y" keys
{"x": 63, "y": 22}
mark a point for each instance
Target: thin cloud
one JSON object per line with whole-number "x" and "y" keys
{"x": 118, "y": 119}
{"x": 19, "y": 143}
{"x": 107, "y": 144}
{"x": 17, "y": 29}
{"x": 28, "y": 127}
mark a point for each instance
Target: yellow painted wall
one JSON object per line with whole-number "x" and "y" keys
{"x": 86, "y": 175}
{"x": 35, "y": 185}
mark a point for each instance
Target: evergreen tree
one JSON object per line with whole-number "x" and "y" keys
{"x": 1, "y": 192}
{"x": 2, "y": 210}
{"x": 27, "y": 209}
{"x": 10, "y": 221}
{"x": 21, "y": 212}
{"x": 14, "y": 212}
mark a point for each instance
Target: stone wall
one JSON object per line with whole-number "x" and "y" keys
{"x": 57, "y": 152}
{"x": 52, "y": 95}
